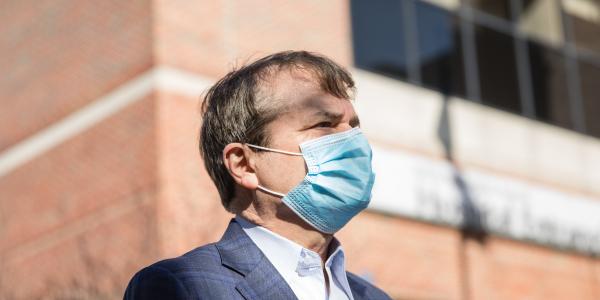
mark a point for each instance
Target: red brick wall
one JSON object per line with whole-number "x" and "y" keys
{"x": 411, "y": 260}
{"x": 85, "y": 210}
{"x": 56, "y": 56}
{"x": 209, "y": 37}
{"x": 190, "y": 211}
{"x": 504, "y": 269}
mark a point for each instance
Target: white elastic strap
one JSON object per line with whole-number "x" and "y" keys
{"x": 270, "y": 191}
{"x": 275, "y": 150}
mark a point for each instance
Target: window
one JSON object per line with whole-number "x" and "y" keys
{"x": 590, "y": 92}
{"x": 440, "y": 50}
{"x": 379, "y": 38}
{"x": 498, "y": 76}
{"x": 497, "y": 8}
{"x": 586, "y": 34}
{"x": 522, "y": 59}
{"x": 583, "y": 17}
{"x": 549, "y": 84}
{"x": 540, "y": 19}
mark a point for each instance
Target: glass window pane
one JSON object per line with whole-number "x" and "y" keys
{"x": 541, "y": 19}
{"x": 497, "y": 8}
{"x": 584, "y": 17}
{"x": 586, "y": 34}
{"x": 440, "y": 52}
{"x": 452, "y": 5}
{"x": 590, "y": 91}
{"x": 549, "y": 84}
{"x": 497, "y": 69}
{"x": 378, "y": 37}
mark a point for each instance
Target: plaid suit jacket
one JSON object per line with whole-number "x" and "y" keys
{"x": 232, "y": 268}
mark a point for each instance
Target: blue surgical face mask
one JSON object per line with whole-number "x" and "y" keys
{"x": 338, "y": 183}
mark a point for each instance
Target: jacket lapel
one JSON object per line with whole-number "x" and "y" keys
{"x": 260, "y": 278}
{"x": 357, "y": 293}
{"x": 359, "y": 290}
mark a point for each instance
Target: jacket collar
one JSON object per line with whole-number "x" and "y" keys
{"x": 261, "y": 279}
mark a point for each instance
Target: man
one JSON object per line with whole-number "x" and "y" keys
{"x": 280, "y": 139}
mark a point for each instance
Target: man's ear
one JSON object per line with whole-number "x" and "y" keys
{"x": 237, "y": 160}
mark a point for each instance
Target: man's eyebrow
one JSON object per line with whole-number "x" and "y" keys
{"x": 335, "y": 116}
{"x": 330, "y": 115}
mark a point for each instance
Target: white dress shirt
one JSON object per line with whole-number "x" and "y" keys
{"x": 301, "y": 268}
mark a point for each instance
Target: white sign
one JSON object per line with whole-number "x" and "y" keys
{"x": 435, "y": 191}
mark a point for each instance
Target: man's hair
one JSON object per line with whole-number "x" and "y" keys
{"x": 237, "y": 109}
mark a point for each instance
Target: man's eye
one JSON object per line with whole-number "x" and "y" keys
{"x": 324, "y": 124}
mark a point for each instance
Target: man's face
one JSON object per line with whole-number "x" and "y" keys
{"x": 309, "y": 113}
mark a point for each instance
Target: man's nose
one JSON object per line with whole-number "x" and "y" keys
{"x": 344, "y": 127}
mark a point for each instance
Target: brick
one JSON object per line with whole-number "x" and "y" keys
{"x": 114, "y": 159}
{"x": 62, "y": 54}
{"x": 235, "y": 32}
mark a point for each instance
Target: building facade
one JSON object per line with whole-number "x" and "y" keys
{"x": 482, "y": 116}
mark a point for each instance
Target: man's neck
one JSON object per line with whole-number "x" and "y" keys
{"x": 294, "y": 229}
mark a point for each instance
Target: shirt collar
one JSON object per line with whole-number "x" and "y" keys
{"x": 279, "y": 249}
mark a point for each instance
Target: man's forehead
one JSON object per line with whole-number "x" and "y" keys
{"x": 281, "y": 80}
{"x": 322, "y": 103}
{"x": 295, "y": 88}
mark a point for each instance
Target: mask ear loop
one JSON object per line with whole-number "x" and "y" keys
{"x": 268, "y": 191}
{"x": 262, "y": 188}
{"x": 275, "y": 150}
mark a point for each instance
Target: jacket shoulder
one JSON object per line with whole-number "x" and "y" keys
{"x": 365, "y": 288}
{"x": 198, "y": 272}
{"x": 154, "y": 282}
